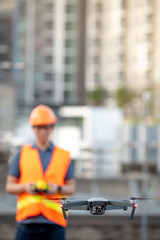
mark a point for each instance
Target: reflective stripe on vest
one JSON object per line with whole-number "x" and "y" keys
{"x": 31, "y": 171}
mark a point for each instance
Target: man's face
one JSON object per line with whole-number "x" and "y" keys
{"x": 43, "y": 133}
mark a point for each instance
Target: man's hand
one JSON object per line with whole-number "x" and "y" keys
{"x": 52, "y": 189}
{"x": 29, "y": 188}
{"x": 67, "y": 189}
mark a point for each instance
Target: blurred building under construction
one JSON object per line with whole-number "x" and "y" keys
{"x": 7, "y": 93}
{"x": 48, "y": 41}
{"x": 59, "y": 49}
{"x": 123, "y": 43}
{"x": 53, "y": 51}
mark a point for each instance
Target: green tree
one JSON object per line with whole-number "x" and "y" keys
{"x": 97, "y": 96}
{"x": 124, "y": 96}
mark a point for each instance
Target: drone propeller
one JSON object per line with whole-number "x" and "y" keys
{"x": 58, "y": 198}
{"x": 62, "y": 198}
{"x": 140, "y": 198}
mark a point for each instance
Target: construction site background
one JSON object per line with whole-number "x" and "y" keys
{"x": 100, "y": 74}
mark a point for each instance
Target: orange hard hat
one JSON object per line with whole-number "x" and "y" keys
{"x": 42, "y": 115}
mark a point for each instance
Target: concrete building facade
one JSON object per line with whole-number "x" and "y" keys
{"x": 48, "y": 42}
{"x": 73, "y": 46}
{"x": 122, "y": 43}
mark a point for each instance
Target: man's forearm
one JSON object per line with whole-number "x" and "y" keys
{"x": 15, "y": 188}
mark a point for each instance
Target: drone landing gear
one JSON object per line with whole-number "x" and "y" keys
{"x": 64, "y": 211}
{"x": 133, "y": 211}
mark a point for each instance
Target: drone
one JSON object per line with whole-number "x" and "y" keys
{"x": 97, "y": 205}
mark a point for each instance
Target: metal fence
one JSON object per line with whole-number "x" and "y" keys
{"x": 139, "y": 146}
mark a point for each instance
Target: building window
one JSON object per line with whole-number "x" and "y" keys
{"x": 49, "y": 42}
{"x": 124, "y": 22}
{"x": 150, "y": 56}
{"x": 97, "y": 42}
{"x": 68, "y": 97}
{"x": 70, "y": 26}
{"x": 150, "y": 18}
{"x": 22, "y": 8}
{"x": 96, "y": 59}
{"x": 37, "y": 95}
{"x": 49, "y": 8}
{"x": 48, "y": 76}
{"x": 98, "y": 25}
{"x": 124, "y": 4}
{"x": 49, "y": 25}
{"x": 149, "y": 75}
{"x": 69, "y": 78}
{"x": 122, "y": 58}
{"x": 98, "y": 7}
{"x": 71, "y": 8}
{"x": 48, "y": 93}
{"x": 96, "y": 78}
{"x": 149, "y": 2}
{"x": 149, "y": 37}
{"x": 69, "y": 43}
{"x": 122, "y": 40}
{"x": 121, "y": 76}
{"x": 48, "y": 59}
{"x": 69, "y": 60}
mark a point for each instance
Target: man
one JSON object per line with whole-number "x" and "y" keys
{"x": 38, "y": 217}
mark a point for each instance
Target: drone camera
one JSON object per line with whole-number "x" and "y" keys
{"x": 97, "y": 210}
{"x": 100, "y": 211}
{"x": 97, "y": 207}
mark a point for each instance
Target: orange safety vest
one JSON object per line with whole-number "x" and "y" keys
{"x": 31, "y": 170}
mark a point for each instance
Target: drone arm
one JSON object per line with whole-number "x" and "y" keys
{"x": 120, "y": 203}
{"x": 70, "y": 204}
{"x": 110, "y": 207}
{"x": 76, "y": 203}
